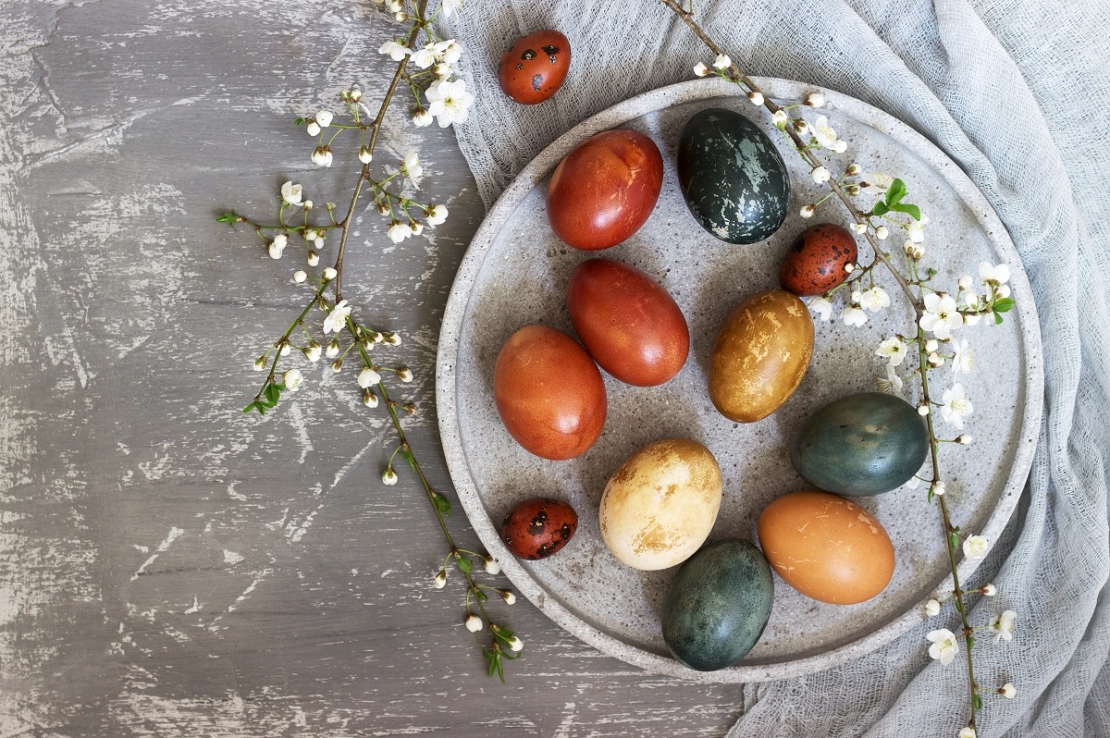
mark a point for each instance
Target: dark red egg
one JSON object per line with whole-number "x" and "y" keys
{"x": 538, "y": 528}
{"x": 605, "y": 189}
{"x": 549, "y": 393}
{"x": 534, "y": 67}
{"x": 630, "y": 325}
{"x": 817, "y": 260}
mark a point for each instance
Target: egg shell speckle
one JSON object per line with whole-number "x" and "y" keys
{"x": 815, "y": 263}
{"x": 538, "y": 528}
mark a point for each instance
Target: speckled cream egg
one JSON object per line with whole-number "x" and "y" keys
{"x": 660, "y": 505}
{"x": 826, "y": 547}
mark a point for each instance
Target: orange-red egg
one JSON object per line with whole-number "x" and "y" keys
{"x": 605, "y": 189}
{"x": 549, "y": 393}
{"x": 826, "y": 547}
{"x": 538, "y": 528}
{"x": 630, "y": 325}
{"x": 817, "y": 260}
{"x": 534, "y": 67}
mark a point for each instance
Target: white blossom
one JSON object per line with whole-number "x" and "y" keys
{"x": 365, "y": 155}
{"x": 424, "y": 58}
{"x": 967, "y": 732}
{"x": 322, "y": 156}
{"x": 923, "y": 409}
{"x": 422, "y": 118}
{"x": 881, "y": 181}
{"x": 893, "y": 348}
{"x": 891, "y": 383}
{"x": 932, "y": 608}
{"x": 291, "y": 193}
{"x": 913, "y": 250}
{"x": 313, "y": 128}
{"x": 440, "y": 578}
{"x": 491, "y": 565}
{"x": 944, "y": 647}
{"x": 416, "y": 227}
{"x": 839, "y": 146}
{"x": 779, "y": 118}
{"x": 990, "y": 590}
{"x": 449, "y": 101}
{"x": 278, "y": 245}
{"x": 815, "y": 100}
{"x": 292, "y": 379}
{"x": 1008, "y": 691}
{"x": 389, "y": 477}
{"x": 337, "y": 318}
{"x": 1003, "y": 626}
{"x": 722, "y": 62}
{"x": 312, "y": 353}
{"x": 874, "y": 299}
{"x": 965, "y": 282}
{"x": 473, "y": 623}
{"x": 937, "y": 488}
{"x": 396, "y": 51}
{"x": 323, "y": 117}
{"x": 313, "y": 258}
{"x": 515, "y": 643}
{"x": 823, "y": 132}
{"x": 450, "y": 7}
{"x": 822, "y": 307}
{"x": 450, "y": 51}
{"x": 392, "y": 338}
{"x": 284, "y": 350}
{"x": 955, "y": 406}
{"x": 330, "y": 274}
{"x": 332, "y": 349}
{"x": 820, "y": 175}
{"x": 412, "y": 166}
{"x": 935, "y": 360}
{"x": 398, "y": 232}
{"x": 972, "y": 318}
{"x": 443, "y": 70}
{"x": 882, "y": 232}
{"x": 859, "y": 228}
{"x": 369, "y": 399}
{"x": 975, "y": 547}
{"x": 964, "y": 439}
{"x": 700, "y": 69}
{"x": 1002, "y": 290}
{"x": 368, "y": 377}
{"x": 962, "y": 360}
{"x": 404, "y": 374}
{"x": 854, "y": 316}
{"x": 916, "y": 229}
{"x": 999, "y": 274}
{"x": 941, "y": 315}
{"x": 436, "y": 215}
{"x": 932, "y": 345}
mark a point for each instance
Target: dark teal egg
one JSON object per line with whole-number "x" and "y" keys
{"x": 732, "y": 176}
{"x": 865, "y": 444}
{"x": 717, "y": 605}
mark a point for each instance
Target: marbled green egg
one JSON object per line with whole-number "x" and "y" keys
{"x": 732, "y": 176}
{"x": 864, "y": 444}
{"x": 717, "y": 605}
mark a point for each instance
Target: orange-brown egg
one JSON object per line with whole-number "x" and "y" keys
{"x": 826, "y": 547}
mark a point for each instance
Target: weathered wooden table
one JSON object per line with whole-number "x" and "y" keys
{"x": 168, "y": 565}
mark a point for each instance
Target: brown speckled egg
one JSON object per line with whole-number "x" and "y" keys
{"x": 815, "y": 263}
{"x": 538, "y": 528}
{"x": 534, "y": 68}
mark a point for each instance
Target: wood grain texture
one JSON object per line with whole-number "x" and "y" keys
{"x": 168, "y": 565}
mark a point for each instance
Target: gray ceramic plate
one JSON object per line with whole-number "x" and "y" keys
{"x": 515, "y": 274}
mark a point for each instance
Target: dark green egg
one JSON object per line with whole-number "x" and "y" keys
{"x": 732, "y": 176}
{"x": 717, "y": 605}
{"x": 864, "y": 444}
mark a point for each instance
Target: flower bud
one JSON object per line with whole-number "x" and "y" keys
{"x": 932, "y": 608}
{"x": 515, "y": 644}
{"x": 807, "y": 211}
{"x": 313, "y": 258}
{"x": 389, "y": 477}
{"x": 989, "y": 590}
{"x": 937, "y": 488}
{"x": 441, "y": 578}
{"x": 370, "y": 400}
{"x": 1008, "y": 691}
{"x": 330, "y": 273}
{"x": 323, "y": 117}
{"x": 849, "y": 268}
{"x": 473, "y": 623}
{"x": 755, "y": 97}
{"x": 508, "y": 596}
{"x": 923, "y": 409}
{"x": 308, "y": 204}
{"x": 852, "y": 189}
{"x": 410, "y": 408}
{"x": 312, "y": 353}
{"x": 313, "y": 128}
{"x": 859, "y": 228}
{"x": 337, "y": 365}
{"x": 393, "y": 339}
{"x": 355, "y": 94}
{"x": 966, "y": 282}
{"x": 853, "y": 170}
{"x": 779, "y": 119}
{"x": 368, "y": 377}
{"x": 935, "y": 360}
{"x": 801, "y": 126}
{"x": 932, "y": 345}
{"x": 700, "y": 69}
{"x": 299, "y": 276}
{"x": 332, "y": 350}
{"x": 292, "y": 379}
{"x": 964, "y": 439}
{"x": 815, "y": 100}
{"x": 284, "y": 350}
{"x": 492, "y": 567}
{"x": 820, "y": 175}
{"x": 722, "y": 62}
{"x": 260, "y": 363}
{"x": 365, "y": 156}
{"x": 882, "y": 232}
{"x": 404, "y": 374}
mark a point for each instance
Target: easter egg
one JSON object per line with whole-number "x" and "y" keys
{"x": 549, "y": 393}
{"x": 660, "y": 505}
{"x": 538, "y": 528}
{"x": 630, "y": 325}
{"x": 605, "y": 189}
{"x": 732, "y": 176}
{"x": 717, "y": 605}
{"x": 817, "y": 260}
{"x": 826, "y": 547}
{"x": 760, "y": 355}
{"x": 864, "y": 444}
{"x": 534, "y": 67}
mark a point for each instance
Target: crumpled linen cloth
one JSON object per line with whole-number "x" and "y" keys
{"x": 1016, "y": 93}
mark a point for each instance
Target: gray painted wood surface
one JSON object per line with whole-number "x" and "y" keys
{"x": 168, "y": 565}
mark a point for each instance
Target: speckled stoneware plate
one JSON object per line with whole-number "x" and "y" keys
{"x": 515, "y": 274}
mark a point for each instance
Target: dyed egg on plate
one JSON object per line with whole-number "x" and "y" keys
{"x": 817, "y": 260}
{"x": 732, "y": 176}
{"x": 660, "y": 505}
{"x": 534, "y": 67}
{"x": 760, "y": 356}
{"x": 538, "y": 528}
{"x": 826, "y": 547}
{"x": 549, "y": 393}
{"x": 628, "y": 323}
{"x": 717, "y": 605}
{"x": 605, "y": 189}
{"x": 864, "y": 444}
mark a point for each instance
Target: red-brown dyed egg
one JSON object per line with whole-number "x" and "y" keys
{"x": 549, "y": 393}
{"x": 536, "y": 529}
{"x": 605, "y": 189}
{"x": 534, "y": 67}
{"x": 630, "y": 325}
{"x": 815, "y": 263}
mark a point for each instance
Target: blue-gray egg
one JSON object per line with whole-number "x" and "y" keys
{"x": 717, "y": 605}
{"x": 864, "y": 444}
{"x": 732, "y": 176}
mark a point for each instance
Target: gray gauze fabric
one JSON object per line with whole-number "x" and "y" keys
{"x": 1016, "y": 93}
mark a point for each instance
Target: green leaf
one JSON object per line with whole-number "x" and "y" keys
{"x": 977, "y": 701}
{"x": 970, "y": 644}
{"x": 911, "y": 210}
{"x": 896, "y": 192}
{"x": 959, "y": 606}
{"x": 491, "y": 656}
{"x": 930, "y": 496}
{"x": 998, "y": 318}
{"x": 298, "y": 121}
{"x": 953, "y": 540}
{"x": 464, "y": 564}
{"x": 481, "y": 595}
{"x": 228, "y": 217}
{"x": 880, "y": 208}
{"x": 1005, "y": 305}
{"x": 443, "y": 505}
{"x": 272, "y": 393}
{"x": 254, "y": 406}
{"x": 407, "y": 455}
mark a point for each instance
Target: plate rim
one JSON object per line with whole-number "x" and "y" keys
{"x": 458, "y": 304}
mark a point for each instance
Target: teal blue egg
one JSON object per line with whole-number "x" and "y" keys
{"x": 865, "y": 444}
{"x": 732, "y": 176}
{"x": 717, "y": 605}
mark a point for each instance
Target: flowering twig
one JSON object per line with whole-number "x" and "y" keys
{"x": 936, "y": 315}
{"x": 448, "y": 102}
